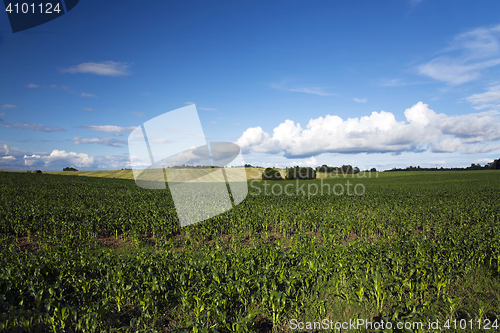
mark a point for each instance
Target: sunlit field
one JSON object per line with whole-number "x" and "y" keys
{"x": 89, "y": 254}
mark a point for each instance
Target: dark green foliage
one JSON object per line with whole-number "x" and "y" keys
{"x": 69, "y": 169}
{"x": 326, "y": 168}
{"x": 495, "y": 164}
{"x": 301, "y": 173}
{"x": 343, "y": 170}
{"x": 38, "y": 171}
{"x": 271, "y": 174}
{"x": 349, "y": 169}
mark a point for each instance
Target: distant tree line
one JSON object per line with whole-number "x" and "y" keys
{"x": 271, "y": 174}
{"x": 69, "y": 169}
{"x": 345, "y": 169}
{"x": 292, "y": 173}
{"x": 495, "y": 165}
{"x": 301, "y": 173}
{"x": 194, "y": 167}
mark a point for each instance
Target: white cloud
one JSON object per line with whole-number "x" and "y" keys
{"x": 88, "y": 109}
{"x": 31, "y": 127}
{"x": 311, "y": 162}
{"x": 110, "y": 128}
{"x": 442, "y": 162}
{"x": 59, "y": 157}
{"x": 87, "y": 95}
{"x": 360, "y": 100}
{"x": 489, "y": 99}
{"x": 480, "y": 148}
{"x": 32, "y": 85}
{"x": 380, "y": 132}
{"x": 447, "y": 146}
{"x": 477, "y": 50}
{"x": 8, "y": 106}
{"x": 483, "y": 161}
{"x": 107, "y": 68}
{"x": 320, "y": 91}
{"x": 102, "y": 141}
{"x": 7, "y": 150}
{"x": 455, "y": 71}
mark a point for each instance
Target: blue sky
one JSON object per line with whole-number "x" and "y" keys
{"x": 370, "y": 83}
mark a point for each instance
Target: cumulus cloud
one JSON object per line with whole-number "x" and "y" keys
{"x": 110, "y": 128}
{"x": 8, "y": 106}
{"x": 311, "y": 162}
{"x": 379, "y": 132}
{"x": 467, "y": 56}
{"x": 483, "y": 161}
{"x": 107, "y": 68}
{"x": 59, "y": 157}
{"x": 31, "y": 127}
{"x": 7, "y": 150}
{"x": 102, "y": 141}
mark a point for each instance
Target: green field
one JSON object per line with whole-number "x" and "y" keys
{"x": 88, "y": 254}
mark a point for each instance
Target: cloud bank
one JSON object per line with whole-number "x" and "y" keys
{"x": 380, "y": 132}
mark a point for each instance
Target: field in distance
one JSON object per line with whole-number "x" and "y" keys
{"x": 252, "y": 173}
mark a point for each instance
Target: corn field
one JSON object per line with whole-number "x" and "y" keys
{"x": 83, "y": 254}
